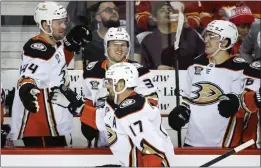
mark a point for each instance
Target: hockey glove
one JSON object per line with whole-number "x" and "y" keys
{"x": 100, "y": 98}
{"x": 258, "y": 98}
{"x": 5, "y": 129}
{"x": 28, "y": 94}
{"x": 77, "y": 37}
{"x": 179, "y": 117}
{"x": 90, "y": 134}
{"x": 65, "y": 97}
{"x": 228, "y": 105}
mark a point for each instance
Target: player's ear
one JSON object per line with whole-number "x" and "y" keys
{"x": 120, "y": 85}
{"x": 45, "y": 26}
{"x": 225, "y": 43}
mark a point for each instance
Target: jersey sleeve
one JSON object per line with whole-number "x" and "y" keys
{"x": 34, "y": 68}
{"x": 146, "y": 86}
{"x": 252, "y": 83}
{"x": 134, "y": 120}
{"x": 252, "y": 72}
{"x": 92, "y": 84}
{"x": 88, "y": 115}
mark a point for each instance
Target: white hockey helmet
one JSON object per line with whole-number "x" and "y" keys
{"x": 116, "y": 33}
{"x": 49, "y": 11}
{"x": 125, "y": 71}
{"x": 224, "y": 29}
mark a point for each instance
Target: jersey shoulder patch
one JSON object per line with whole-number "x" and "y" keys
{"x": 94, "y": 70}
{"x": 130, "y": 105}
{"x": 234, "y": 64}
{"x": 239, "y": 60}
{"x": 142, "y": 70}
{"x": 37, "y": 48}
{"x": 256, "y": 65}
{"x": 253, "y": 70}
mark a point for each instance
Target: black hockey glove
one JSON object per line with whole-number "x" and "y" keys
{"x": 77, "y": 37}
{"x": 5, "y": 129}
{"x": 28, "y": 94}
{"x": 228, "y": 105}
{"x": 258, "y": 98}
{"x": 65, "y": 97}
{"x": 179, "y": 117}
{"x": 90, "y": 134}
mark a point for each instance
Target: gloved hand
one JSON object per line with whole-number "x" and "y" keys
{"x": 77, "y": 37}
{"x": 179, "y": 116}
{"x": 90, "y": 134}
{"x": 100, "y": 98}
{"x": 228, "y": 105}
{"x": 5, "y": 129}
{"x": 65, "y": 97}
{"x": 258, "y": 98}
{"x": 28, "y": 94}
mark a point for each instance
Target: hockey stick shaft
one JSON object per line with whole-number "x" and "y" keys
{"x": 176, "y": 60}
{"x": 233, "y": 151}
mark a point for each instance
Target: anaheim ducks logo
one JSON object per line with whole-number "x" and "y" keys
{"x": 207, "y": 93}
{"x": 112, "y": 136}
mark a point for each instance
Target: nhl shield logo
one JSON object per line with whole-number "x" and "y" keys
{"x": 198, "y": 70}
{"x": 95, "y": 85}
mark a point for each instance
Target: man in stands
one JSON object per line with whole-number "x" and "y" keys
{"x": 45, "y": 57}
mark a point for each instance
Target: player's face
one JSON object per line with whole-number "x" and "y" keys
{"x": 243, "y": 29}
{"x": 109, "y": 14}
{"x": 117, "y": 50}
{"x": 59, "y": 27}
{"x": 211, "y": 42}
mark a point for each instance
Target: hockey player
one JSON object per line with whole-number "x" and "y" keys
{"x": 117, "y": 49}
{"x": 246, "y": 109}
{"x": 136, "y": 136}
{"x": 44, "y": 65}
{"x": 212, "y": 75}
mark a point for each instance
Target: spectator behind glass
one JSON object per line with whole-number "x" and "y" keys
{"x": 77, "y": 15}
{"x": 107, "y": 16}
{"x": 242, "y": 17}
{"x": 163, "y": 38}
{"x": 250, "y": 48}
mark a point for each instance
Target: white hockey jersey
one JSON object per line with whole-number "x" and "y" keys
{"x": 46, "y": 66}
{"x": 134, "y": 130}
{"x": 93, "y": 82}
{"x": 205, "y": 83}
{"x": 251, "y": 125}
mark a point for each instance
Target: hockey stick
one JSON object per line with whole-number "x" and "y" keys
{"x": 176, "y": 60}
{"x": 233, "y": 151}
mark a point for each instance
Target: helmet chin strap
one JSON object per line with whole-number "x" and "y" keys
{"x": 49, "y": 23}
{"x": 219, "y": 48}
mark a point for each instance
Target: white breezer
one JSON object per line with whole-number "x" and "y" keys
{"x": 224, "y": 29}
{"x": 124, "y": 71}
{"x": 118, "y": 33}
{"x": 49, "y": 11}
